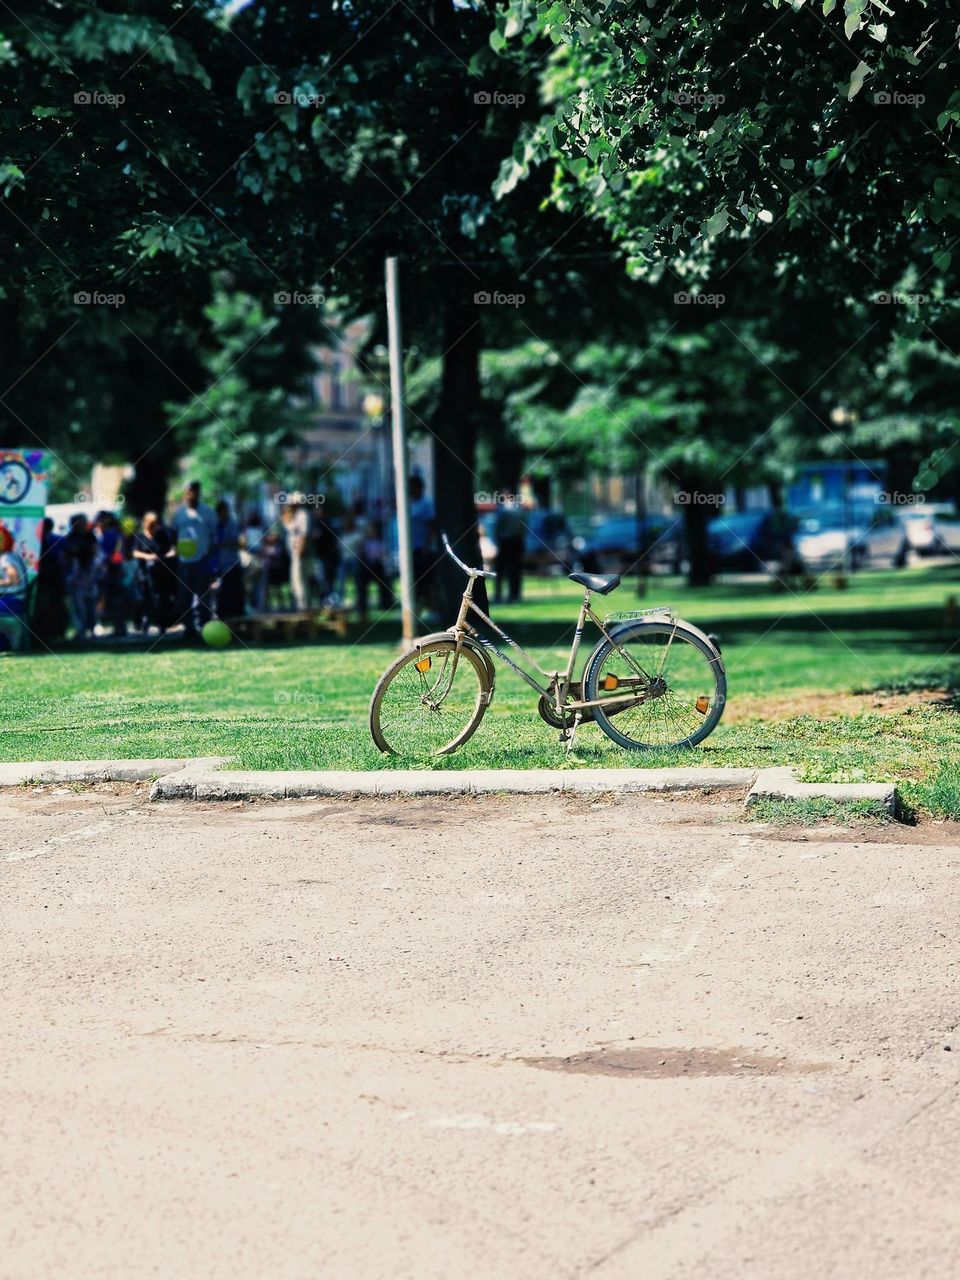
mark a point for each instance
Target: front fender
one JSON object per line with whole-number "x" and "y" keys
{"x": 468, "y": 643}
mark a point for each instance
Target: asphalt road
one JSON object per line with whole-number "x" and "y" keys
{"x": 500, "y": 1038}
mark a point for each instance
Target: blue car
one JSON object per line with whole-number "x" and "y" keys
{"x": 751, "y": 541}
{"x": 619, "y": 544}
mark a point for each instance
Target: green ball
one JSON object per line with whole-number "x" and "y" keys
{"x": 216, "y": 634}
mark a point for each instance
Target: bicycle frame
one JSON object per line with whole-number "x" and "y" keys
{"x": 559, "y": 683}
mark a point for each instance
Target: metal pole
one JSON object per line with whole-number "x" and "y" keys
{"x": 642, "y": 531}
{"x": 399, "y": 449}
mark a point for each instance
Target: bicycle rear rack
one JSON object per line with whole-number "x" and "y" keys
{"x": 632, "y": 615}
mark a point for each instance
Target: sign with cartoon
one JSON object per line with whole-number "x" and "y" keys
{"x": 24, "y": 479}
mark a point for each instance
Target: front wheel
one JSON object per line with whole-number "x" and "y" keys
{"x": 663, "y": 681}
{"x": 430, "y": 700}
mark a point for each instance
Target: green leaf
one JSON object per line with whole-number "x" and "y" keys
{"x": 854, "y": 11}
{"x": 860, "y": 73}
{"x": 828, "y": 7}
{"x": 10, "y": 177}
{"x": 717, "y": 222}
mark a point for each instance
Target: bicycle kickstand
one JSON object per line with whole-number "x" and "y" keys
{"x": 567, "y": 735}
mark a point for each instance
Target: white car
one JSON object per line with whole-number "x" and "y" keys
{"x": 932, "y": 529}
{"x": 834, "y": 538}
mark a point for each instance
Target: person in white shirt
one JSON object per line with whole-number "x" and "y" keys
{"x": 296, "y": 523}
{"x": 194, "y": 527}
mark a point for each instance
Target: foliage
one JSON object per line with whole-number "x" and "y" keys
{"x": 235, "y": 431}
{"x": 817, "y": 136}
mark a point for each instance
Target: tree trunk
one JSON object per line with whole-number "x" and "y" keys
{"x": 455, "y": 446}
{"x": 696, "y": 517}
{"x": 147, "y": 490}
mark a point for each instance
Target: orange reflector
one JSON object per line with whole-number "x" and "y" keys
{"x": 423, "y": 664}
{"x": 703, "y": 704}
{"x": 610, "y": 683}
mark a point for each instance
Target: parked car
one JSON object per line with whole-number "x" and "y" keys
{"x": 832, "y": 537}
{"x": 751, "y": 541}
{"x": 932, "y": 529}
{"x": 617, "y": 545}
{"x": 547, "y": 540}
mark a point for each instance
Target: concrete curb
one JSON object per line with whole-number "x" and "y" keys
{"x": 234, "y": 785}
{"x": 781, "y": 784}
{"x": 47, "y": 771}
{"x": 206, "y": 779}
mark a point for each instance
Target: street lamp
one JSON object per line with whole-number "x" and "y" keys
{"x": 841, "y": 417}
{"x": 373, "y": 407}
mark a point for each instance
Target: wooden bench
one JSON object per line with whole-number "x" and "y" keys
{"x": 305, "y": 624}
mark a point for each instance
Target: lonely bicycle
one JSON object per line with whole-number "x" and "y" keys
{"x": 652, "y": 682}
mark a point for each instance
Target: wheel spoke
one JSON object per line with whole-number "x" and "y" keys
{"x": 669, "y": 714}
{"x": 422, "y": 713}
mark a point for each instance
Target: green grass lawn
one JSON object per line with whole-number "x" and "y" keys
{"x": 793, "y": 663}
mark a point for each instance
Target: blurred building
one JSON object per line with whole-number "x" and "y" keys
{"x": 347, "y": 449}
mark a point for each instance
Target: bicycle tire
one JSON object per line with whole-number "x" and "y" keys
{"x": 712, "y": 671}
{"x": 388, "y": 739}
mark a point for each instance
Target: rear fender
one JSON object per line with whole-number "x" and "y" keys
{"x": 682, "y": 624}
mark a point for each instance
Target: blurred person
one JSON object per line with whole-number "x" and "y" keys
{"x": 50, "y": 615}
{"x": 255, "y": 567}
{"x": 83, "y": 577}
{"x": 296, "y": 523}
{"x": 371, "y": 567}
{"x": 229, "y": 570}
{"x": 112, "y": 559}
{"x": 351, "y": 541}
{"x": 508, "y": 535}
{"x": 276, "y": 569}
{"x": 154, "y": 555}
{"x": 194, "y": 527}
{"x": 422, "y": 521}
{"x": 327, "y": 555}
{"x": 77, "y": 532}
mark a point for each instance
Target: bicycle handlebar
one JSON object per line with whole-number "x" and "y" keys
{"x": 472, "y": 573}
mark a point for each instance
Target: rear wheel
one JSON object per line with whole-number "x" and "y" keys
{"x": 430, "y": 700}
{"x": 676, "y": 677}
